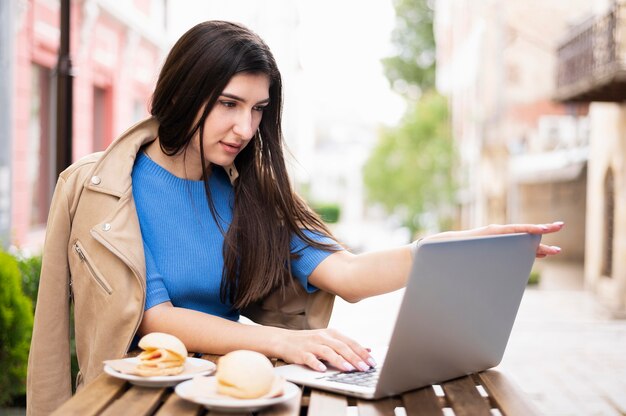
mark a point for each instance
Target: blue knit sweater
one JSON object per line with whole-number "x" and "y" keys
{"x": 182, "y": 241}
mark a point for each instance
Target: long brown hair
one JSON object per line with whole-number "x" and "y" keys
{"x": 267, "y": 212}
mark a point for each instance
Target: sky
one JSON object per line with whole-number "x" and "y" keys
{"x": 337, "y": 45}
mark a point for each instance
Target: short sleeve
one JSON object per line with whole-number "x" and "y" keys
{"x": 308, "y": 258}
{"x": 156, "y": 292}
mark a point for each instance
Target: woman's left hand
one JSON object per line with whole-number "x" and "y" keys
{"x": 542, "y": 251}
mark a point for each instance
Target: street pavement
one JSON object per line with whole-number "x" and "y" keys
{"x": 565, "y": 352}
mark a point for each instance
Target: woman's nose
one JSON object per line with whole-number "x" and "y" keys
{"x": 243, "y": 125}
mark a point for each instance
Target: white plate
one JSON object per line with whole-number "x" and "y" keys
{"x": 191, "y": 364}
{"x": 228, "y": 404}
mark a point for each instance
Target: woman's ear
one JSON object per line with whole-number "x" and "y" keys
{"x": 231, "y": 170}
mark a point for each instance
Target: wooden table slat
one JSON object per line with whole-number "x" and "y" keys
{"x": 177, "y": 406}
{"x": 464, "y": 397}
{"x": 423, "y": 402}
{"x": 508, "y": 397}
{"x": 383, "y": 407}
{"x": 136, "y": 401}
{"x": 216, "y": 413}
{"x": 92, "y": 399}
{"x": 323, "y": 403}
{"x": 211, "y": 357}
{"x": 290, "y": 408}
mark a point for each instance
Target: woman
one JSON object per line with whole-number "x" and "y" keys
{"x": 189, "y": 218}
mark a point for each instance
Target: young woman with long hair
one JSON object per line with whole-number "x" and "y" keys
{"x": 189, "y": 219}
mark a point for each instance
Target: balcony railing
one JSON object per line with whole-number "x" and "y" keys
{"x": 592, "y": 60}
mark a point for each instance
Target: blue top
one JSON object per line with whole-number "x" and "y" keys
{"x": 183, "y": 244}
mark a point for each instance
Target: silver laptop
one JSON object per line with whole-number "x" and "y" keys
{"x": 456, "y": 316}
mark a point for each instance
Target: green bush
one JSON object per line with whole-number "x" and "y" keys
{"x": 534, "y": 278}
{"x": 16, "y": 324}
{"x": 30, "y": 267}
{"x": 329, "y": 212}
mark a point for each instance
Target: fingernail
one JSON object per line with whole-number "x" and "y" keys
{"x": 371, "y": 361}
{"x": 363, "y": 366}
{"x": 557, "y": 248}
{"x": 559, "y": 222}
{"x": 321, "y": 367}
{"x": 348, "y": 366}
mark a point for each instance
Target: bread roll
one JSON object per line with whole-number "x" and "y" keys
{"x": 163, "y": 355}
{"x": 244, "y": 374}
{"x": 160, "y": 340}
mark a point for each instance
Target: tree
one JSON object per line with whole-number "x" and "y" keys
{"x": 410, "y": 170}
{"x": 412, "y": 70}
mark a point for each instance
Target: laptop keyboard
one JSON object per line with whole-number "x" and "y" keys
{"x": 367, "y": 378}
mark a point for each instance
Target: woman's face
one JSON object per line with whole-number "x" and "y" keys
{"x": 235, "y": 117}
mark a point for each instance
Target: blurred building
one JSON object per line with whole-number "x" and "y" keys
{"x": 522, "y": 155}
{"x": 525, "y": 80}
{"x": 116, "y": 51}
{"x": 592, "y": 69}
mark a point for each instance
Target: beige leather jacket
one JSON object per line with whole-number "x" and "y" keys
{"x": 94, "y": 261}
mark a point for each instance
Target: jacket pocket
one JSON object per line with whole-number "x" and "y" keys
{"x": 93, "y": 272}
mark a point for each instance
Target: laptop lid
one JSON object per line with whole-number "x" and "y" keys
{"x": 458, "y": 309}
{"x": 456, "y": 315}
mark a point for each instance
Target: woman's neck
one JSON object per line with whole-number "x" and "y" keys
{"x": 185, "y": 165}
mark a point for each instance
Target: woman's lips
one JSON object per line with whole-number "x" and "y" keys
{"x": 231, "y": 148}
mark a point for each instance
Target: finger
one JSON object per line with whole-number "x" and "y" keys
{"x": 546, "y": 250}
{"x": 332, "y": 357}
{"x": 312, "y": 361}
{"x": 365, "y": 359}
{"x": 495, "y": 229}
{"x": 348, "y": 353}
{"x": 552, "y": 227}
{"x": 531, "y": 228}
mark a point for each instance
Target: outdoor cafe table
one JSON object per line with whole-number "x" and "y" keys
{"x": 474, "y": 395}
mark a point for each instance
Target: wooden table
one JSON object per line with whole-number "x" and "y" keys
{"x": 473, "y": 395}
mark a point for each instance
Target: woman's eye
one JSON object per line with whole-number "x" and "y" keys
{"x": 260, "y": 108}
{"x": 228, "y": 104}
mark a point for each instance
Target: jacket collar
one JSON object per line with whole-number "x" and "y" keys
{"x": 112, "y": 172}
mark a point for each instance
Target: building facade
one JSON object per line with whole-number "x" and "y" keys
{"x": 592, "y": 70}
{"x": 536, "y": 91}
{"x": 522, "y": 154}
{"x": 116, "y": 50}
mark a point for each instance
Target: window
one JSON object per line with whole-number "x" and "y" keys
{"x": 39, "y": 149}
{"x": 609, "y": 222}
{"x": 139, "y": 111}
{"x": 101, "y": 119}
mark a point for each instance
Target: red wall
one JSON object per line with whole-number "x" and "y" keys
{"x": 105, "y": 54}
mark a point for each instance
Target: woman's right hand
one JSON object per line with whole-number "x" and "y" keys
{"x": 314, "y": 347}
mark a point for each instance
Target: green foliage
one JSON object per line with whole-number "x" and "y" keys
{"x": 16, "y": 323}
{"x": 413, "y": 38}
{"x": 534, "y": 278}
{"x": 30, "y": 267}
{"x": 329, "y": 212}
{"x": 410, "y": 170}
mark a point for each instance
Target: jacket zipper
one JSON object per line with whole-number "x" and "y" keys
{"x": 113, "y": 250}
{"x": 93, "y": 273}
